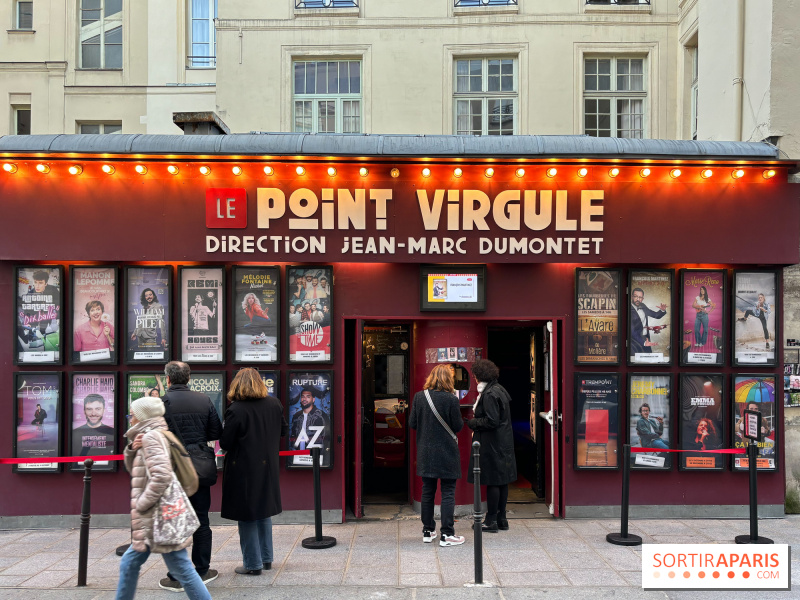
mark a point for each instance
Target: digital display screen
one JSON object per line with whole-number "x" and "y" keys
{"x": 453, "y": 287}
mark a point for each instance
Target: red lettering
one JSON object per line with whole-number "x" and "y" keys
{"x": 721, "y": 561}
{"x": 757, "y": 561}
{"x": 657, "y": 559}
{"x": 774, "y": 560}
{"x": 681, "y": 560}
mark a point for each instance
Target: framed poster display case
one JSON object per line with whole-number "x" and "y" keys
{"x": 37, "y": 424}
{"x": 597, "y": 316}
{"x": 93, "y": 418}
{"x": 702, "y": 326}
{"x": 309, "y": 411}
{"x": 255, "y": 307}
{"x": 148, "y": 309}
{"x": 597, "y": 421}
{"x": 38, "y": 333}
{"x": 702, "y": 421}
{"x": 138, "y": 385}
{"x": 650, "y": 317}
{"x": 757, "y": 393}
{"x": 95, "y": 325}
{"x": 650, "y": 420}
{"x": 309, "y": 293}
{"x": 202, "y": 314}
{"x": 212, "y": 384}
{"x": 756, "y": 311}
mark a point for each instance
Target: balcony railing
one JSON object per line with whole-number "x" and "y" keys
{"x": 202, "y": 61}
{"x": 620, "y": 2}
{"x": 326, "y": 3}
{"x": 485, "y": 2}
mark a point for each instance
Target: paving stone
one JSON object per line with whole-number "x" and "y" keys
{"x": 331, "y": 562}
{"x": 420, "y": 579}
{"x": 34, "y": 564}
{"x": 308, "y": 578}
{"x": 533, "y": 579}
{"x": 583, "y": 560}
{"x": 47, "y": 579}
{"x": 418, "y": 564}
{"x": 594, "y": 577}
{"x": 371, "y": 575}
{"x": 12, "y": 580}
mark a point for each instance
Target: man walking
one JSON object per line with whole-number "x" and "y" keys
{"x": 191, "y": 416}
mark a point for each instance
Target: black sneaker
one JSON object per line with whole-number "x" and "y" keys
{"x": 171, "y": 585}
{"x": 209, "y": 576}
{"x": 428, "y": 535}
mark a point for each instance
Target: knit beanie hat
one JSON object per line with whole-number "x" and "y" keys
{"x": 147, "y": 407}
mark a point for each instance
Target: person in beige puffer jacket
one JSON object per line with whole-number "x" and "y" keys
{"x": 147, "y": 418}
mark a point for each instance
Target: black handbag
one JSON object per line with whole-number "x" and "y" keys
{"x": 202, "y": 455}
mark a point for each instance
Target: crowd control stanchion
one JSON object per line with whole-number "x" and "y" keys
{"x": 623, "y": 538}
{"x": 753, "y": 538}
{"x": 86, "y": 517}
{"x": 476, "y": 512}
{"x": 319, "y": 541}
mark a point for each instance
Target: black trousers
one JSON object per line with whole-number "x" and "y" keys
{"x": 201, "y": 540}
{"x": 496, "y": 499}
{"x": 761, "y": 317}
{"x": 448, "y": 504}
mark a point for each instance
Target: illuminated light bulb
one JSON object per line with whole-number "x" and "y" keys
{"x": 552, "y": 171}
{"x": 458, "y": 172}
{"x": 363, "y": 171}
{"x": 706, "y": 173}
{"x": 426, "y": 172}
{"x": 489, "y": 172}
{"x": 205, "y": 170}
{"x": 613, "y": 172}
{"x": 769, "y": 173}
{"x": 43, "y": 168}
{"x": 737, "y": 173}
{"x": 75, "y": 170}
{"x": 520, "y": 172}
{"x": 300, "y": 170}
{"x": 395, "y": 173}
{"x": 140, "y": 169}
{"x": 9, "y": 167}
{"x": 583, "y": 172}
{"x": 331, "y": 171}
{"x": 108, "y": 169}
{"x": 173, "y": 170}
{"x": 268, "y": 170}
{"x": 237, "y": 170}
{"x": 675, "y": 173}
{"x": 644, "y": 172}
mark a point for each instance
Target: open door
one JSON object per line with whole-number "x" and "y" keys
{"x": 354, "y": 416}
{"x": 552, "y": 416}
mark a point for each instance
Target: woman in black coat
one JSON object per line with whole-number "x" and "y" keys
{"x": 491, "y": 427}
{"x": 251, "y": 493}
{"x": 437, "y": 452}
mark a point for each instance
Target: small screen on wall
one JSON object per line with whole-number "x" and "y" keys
{"x": 453, "y": 287}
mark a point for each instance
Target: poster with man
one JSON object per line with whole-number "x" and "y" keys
{"x": 256, "y": 314}
{"x": 757, "y": 393}
{"x": 38, "y": 315}
{"x": 94, "y": 426}
{"x": 702, "y": 308}
{"x": 597, "y": 295}
{"x": 37, "y": 431}
{"x": 702, "y": 418}
{"x": 649, "y": 419}
{"x": 148, "y": 307}
{"x": 310, "y": 302}
{"x": 94, "y": 309}
{"x": 309, "y": 404}
{"x": 144, "y": 384}
{"x": 754, "y": 318}
{"x": 597, "y": 412}
{"x": 202, "y": 310}
{"x": 213, "y": 386}
{"x": 650, "y": 318}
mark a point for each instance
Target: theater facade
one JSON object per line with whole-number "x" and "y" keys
{"x": 629, "y": 290}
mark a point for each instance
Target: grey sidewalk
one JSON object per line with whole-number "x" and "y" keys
{"x": 536, "y": 558}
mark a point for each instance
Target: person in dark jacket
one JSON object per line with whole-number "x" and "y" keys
{"x": 251, "y": 494}
{"x": 437, "y": 452}
{"x": 491, "y": 426}
{"x": 191, "y": 416}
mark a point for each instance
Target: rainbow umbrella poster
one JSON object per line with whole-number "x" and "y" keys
{"x": 755, "y": 392}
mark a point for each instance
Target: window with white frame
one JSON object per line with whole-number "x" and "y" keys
{"x": 22, "y": 120}
{"x": 485, "y": 96}
{"x": 100, "y": 128}
{"x": 614, "y": 97}
{"x": 203, "y": 45}
{"x": 24, "y": 15}
{"x": 694, "y": 93}
{"x": 327, "y": 96}
{"x": 101, "y": 34}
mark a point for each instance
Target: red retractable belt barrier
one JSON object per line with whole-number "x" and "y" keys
{"x": 720, "y": 451}
{"x": 105, "y": 457}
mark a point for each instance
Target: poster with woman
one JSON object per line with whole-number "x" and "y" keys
{"x": 650, "y": 420}
{"x": 148, "y": 292}
{"x": 37, "y": 433}
{"x": 38, "y": 338}
{"x": 597, "y": 316}
{"x": 650, "y": 317}
{"x": 309, "y": 408}
{"x": 702, "y": 308}
{"x": 201, "y": 318}
{"x": 94, "y": 315}
{"x": 93, "y": 430}
{"x": 144, "y": 384}
{"x": 213, "y": 386}
{"x": 310, "y": 302}
{"x": 702, "y": 418}
{"x": 256, "y": 313}
{"x": 597, "y": 419}
{"x": 756, "y": 392}
{"x": 754, "y": 316}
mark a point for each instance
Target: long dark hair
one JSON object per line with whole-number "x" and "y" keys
{"x": 704, "y": 293}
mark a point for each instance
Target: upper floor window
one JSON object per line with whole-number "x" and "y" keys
{"x": 614, "y": 97}
{"x": 22, "y": 120}
{"x": 327, "y": 96}
{"x": 485, "y": 3}
{"x": 694, "y": 92}
{"x": 24, "y": 16}
{"x": 203, "y": 43}
{"x": 100, "y": 128}
{"x": 325, "y": 3}
{"x": 621, "y": 2}
{"x": 101, "y": 34}
{"x": 486, "y": 96}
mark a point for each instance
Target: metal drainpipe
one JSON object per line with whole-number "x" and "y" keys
{"x": 738, "y": 80}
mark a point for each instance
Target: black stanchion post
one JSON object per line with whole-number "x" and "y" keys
{"x": 752, "y": 466}
{"x": 86, "y": 517}
{"x": 623, "y": 538}
{"x": 476, "y": 512}
{"x": 319, "y": 541}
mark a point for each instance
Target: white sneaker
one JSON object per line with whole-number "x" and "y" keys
{"x": 451, "y": 540}
{"x": 428, "y": 536}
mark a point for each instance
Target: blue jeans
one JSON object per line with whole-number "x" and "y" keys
{"x": 178, "y": 564}
{"x": 448, "y": 504}
{"x": 658, "y": 443}
{"x": 255, "y": 540}
{"x": 701, "y": 321}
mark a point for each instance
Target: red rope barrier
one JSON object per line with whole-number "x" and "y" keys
{"x": 720, "y": 451}
{"x": 105, "y": 457}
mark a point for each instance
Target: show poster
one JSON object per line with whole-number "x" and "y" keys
{"x": 271, "y": 379}
{"x": 149, "y": 302}
{"x": 649, "y": 318}
{"x": 650, "y": 424}
{"x": 94, "y": 309}
{"x": 310, "y": 302}
{"x": 702, "y": 422}
{"x": 755, "y": 392}
{"x": 309, "y": 406}
{"x": 702, "y": 309}
{"x": 202, "y": 310}
{"x": 213, "y": 386}
{"x": 38, "y": 310}
{"x": 256, "y": 314}
{"x": 93, "y": 431}
{"x": 37, "y": 433}
{"x": 452, "y": 287}
{"x": 145, "y": 384}
{"x": 597, "y": 413}
{"x": 597, "y": 317}
{"x": 754, "y": 318}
